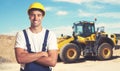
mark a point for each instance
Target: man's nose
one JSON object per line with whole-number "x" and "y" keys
{"x": 35, "y": 17}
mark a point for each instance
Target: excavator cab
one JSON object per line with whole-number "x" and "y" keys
{"x": 83, "y": 29}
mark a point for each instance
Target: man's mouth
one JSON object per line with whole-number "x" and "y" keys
{"x": 35, "y": 21}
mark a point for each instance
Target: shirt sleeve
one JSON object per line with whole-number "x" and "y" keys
{"x": 20, "y": 40}
{"x": 52, "y": 41}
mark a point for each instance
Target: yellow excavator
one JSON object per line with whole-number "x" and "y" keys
{"x": 87, "y": 42}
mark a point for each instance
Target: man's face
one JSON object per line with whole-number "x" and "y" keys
{"x": 35, "y": 18}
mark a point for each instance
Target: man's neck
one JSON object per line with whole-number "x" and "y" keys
{"x": 36, "y": 29}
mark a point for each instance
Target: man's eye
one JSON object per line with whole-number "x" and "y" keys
{"x": 39, "y": 15}
{"x": 32, "y": 15}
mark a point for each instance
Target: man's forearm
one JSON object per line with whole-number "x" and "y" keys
{"x": 51, "y": 60}
{"x": 25, "y": 57}
{"x": 47, "y": 61}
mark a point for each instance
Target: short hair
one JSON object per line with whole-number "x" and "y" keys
{"x": 35, "y": 9}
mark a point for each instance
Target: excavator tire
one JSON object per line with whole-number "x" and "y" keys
{"x": 70, "y": 53}
{"x": 105, "y": 51}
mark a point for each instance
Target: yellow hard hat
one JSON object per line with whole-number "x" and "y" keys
{"x": 37, "y": 5}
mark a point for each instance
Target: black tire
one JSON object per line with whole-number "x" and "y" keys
{"x": 105, "y": 51}
{"x": 70, "y": 53}
{"x": 59, "y": 60}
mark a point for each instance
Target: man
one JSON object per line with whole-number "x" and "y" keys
{"x": 35, "y": 56}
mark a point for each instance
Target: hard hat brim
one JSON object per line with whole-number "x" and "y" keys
{"x": 36, "y": 9}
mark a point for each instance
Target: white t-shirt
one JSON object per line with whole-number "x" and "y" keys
{"x": 36, "y": 40}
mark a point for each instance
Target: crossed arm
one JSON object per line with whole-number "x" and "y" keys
{"x": 45, "y": 58}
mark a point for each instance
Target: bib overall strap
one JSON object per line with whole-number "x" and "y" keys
{"x": 27, "y": 41}
{"x": 45, "y": 40}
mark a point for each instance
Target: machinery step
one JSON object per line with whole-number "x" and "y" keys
{"x": 117, "y": 47}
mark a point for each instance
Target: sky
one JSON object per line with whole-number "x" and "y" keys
{"x": 60, "y": 15}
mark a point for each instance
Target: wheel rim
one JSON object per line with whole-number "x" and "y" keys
{"x": 106, "y": 52}
{"x": 71, "y": 53}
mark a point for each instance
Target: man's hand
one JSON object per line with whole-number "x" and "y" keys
{"x": 49, "y": 60}
{"x": 42, "y": 54}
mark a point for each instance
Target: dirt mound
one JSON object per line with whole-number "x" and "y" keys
{"x": 4, "y": 60}
{"x": 7, "y": 48}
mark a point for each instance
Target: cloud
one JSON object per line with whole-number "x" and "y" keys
{"x": 58, "y": 12}
{"x": 62, "y": 13}
{"x": 70, "y": 1}
{"x": 84, "y": 14}
{"x": 107, "y": 25}
{"x": 94, "y": 6}
{"x": 110, "y": 14}
{"x": 109, "y": 1}
{"x": 65, "y": 30}
{"x": 106, "y": 15}
{"x": 12, "y": 33}
{"x": 74, "y": 1}
{"x": 113, "y": 29}
{"x": 89, "y": 1}
{"x": 49, "y": 8}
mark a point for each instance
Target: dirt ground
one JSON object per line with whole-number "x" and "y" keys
{"x": 82, "y": 65}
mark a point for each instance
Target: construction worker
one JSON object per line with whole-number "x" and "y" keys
{"x": 36, "y": 47}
